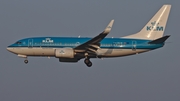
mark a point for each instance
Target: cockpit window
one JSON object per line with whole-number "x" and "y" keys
{"x": 18, "y": 42}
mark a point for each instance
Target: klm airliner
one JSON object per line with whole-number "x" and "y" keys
{"x": 73, "y": 49}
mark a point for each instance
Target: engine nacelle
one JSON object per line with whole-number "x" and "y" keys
{"x": 64, "y": 53}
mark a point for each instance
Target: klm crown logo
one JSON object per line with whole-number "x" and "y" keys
{"x": 62, "y": 52}
{"x": 155, "y": 27}
{"x": 48, "y": 40}
{"x": 109, "y": 27}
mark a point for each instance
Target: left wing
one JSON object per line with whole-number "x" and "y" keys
{"x": 93, "y": 44}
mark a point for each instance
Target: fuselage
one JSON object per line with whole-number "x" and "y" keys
{"x": 73, "y": 49}
{"x": 109, "y": 47}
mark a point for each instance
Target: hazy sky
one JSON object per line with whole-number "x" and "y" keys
{"x": 151, "y": 76}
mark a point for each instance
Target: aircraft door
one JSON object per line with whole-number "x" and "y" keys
{"x": 30, "y": 43}
{"x": 134, "y": 45}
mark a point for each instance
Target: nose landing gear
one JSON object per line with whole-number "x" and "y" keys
{"x": 88, "y": 62}
{"x": 26, "y": 61}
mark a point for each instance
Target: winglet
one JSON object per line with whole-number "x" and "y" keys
{"x": 108, "y": 28}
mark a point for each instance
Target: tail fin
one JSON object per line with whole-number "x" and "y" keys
{"x": 155, "y": 28}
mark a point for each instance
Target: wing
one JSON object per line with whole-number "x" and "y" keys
{"x": 93, "y": 44}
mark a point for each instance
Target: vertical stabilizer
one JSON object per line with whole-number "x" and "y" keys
{"x": 155, "y": 28}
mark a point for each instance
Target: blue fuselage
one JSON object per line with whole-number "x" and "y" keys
{"x": 109, "y": 47}
{"x": 72, "y": 42}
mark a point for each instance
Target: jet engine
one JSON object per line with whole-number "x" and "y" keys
{"x": 64, "y": 53}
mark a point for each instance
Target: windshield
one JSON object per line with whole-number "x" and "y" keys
{"x": 18, "y": 42}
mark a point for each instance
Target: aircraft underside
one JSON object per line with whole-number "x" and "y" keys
{"x": 51, "y": 52}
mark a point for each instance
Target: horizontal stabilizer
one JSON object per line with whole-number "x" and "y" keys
{"x": 160, "y": 40}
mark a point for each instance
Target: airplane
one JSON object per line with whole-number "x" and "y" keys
{"x": 73, "y": 49}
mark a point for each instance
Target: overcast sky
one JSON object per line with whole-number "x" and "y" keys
{"x": 151, "y": 76}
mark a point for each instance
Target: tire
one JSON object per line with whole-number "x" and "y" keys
{"x": 89, "y": 64}
{"x": 25, "y": 61}
{"x": 86, "y": 61}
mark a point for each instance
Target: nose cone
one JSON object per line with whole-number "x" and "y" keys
{"x": 12, "y": 50}
{"x": 9, "y": 49}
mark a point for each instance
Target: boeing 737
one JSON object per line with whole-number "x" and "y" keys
{"x": 73, "y": 49}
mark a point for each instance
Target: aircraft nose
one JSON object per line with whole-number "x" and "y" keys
{"x": 9, "y": 49}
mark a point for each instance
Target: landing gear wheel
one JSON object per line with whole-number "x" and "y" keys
{"x": 88, "y": 62}
{"x": 25, "y": 61}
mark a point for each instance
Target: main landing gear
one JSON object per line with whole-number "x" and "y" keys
{"x": 88, "y": 62}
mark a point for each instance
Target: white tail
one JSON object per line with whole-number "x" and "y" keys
{"x": 155, "y": 28}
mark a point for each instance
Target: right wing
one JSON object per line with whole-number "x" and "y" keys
{"x": 93, "y": 44}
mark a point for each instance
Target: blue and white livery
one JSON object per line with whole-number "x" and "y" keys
{"x": 72, "y": 49}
